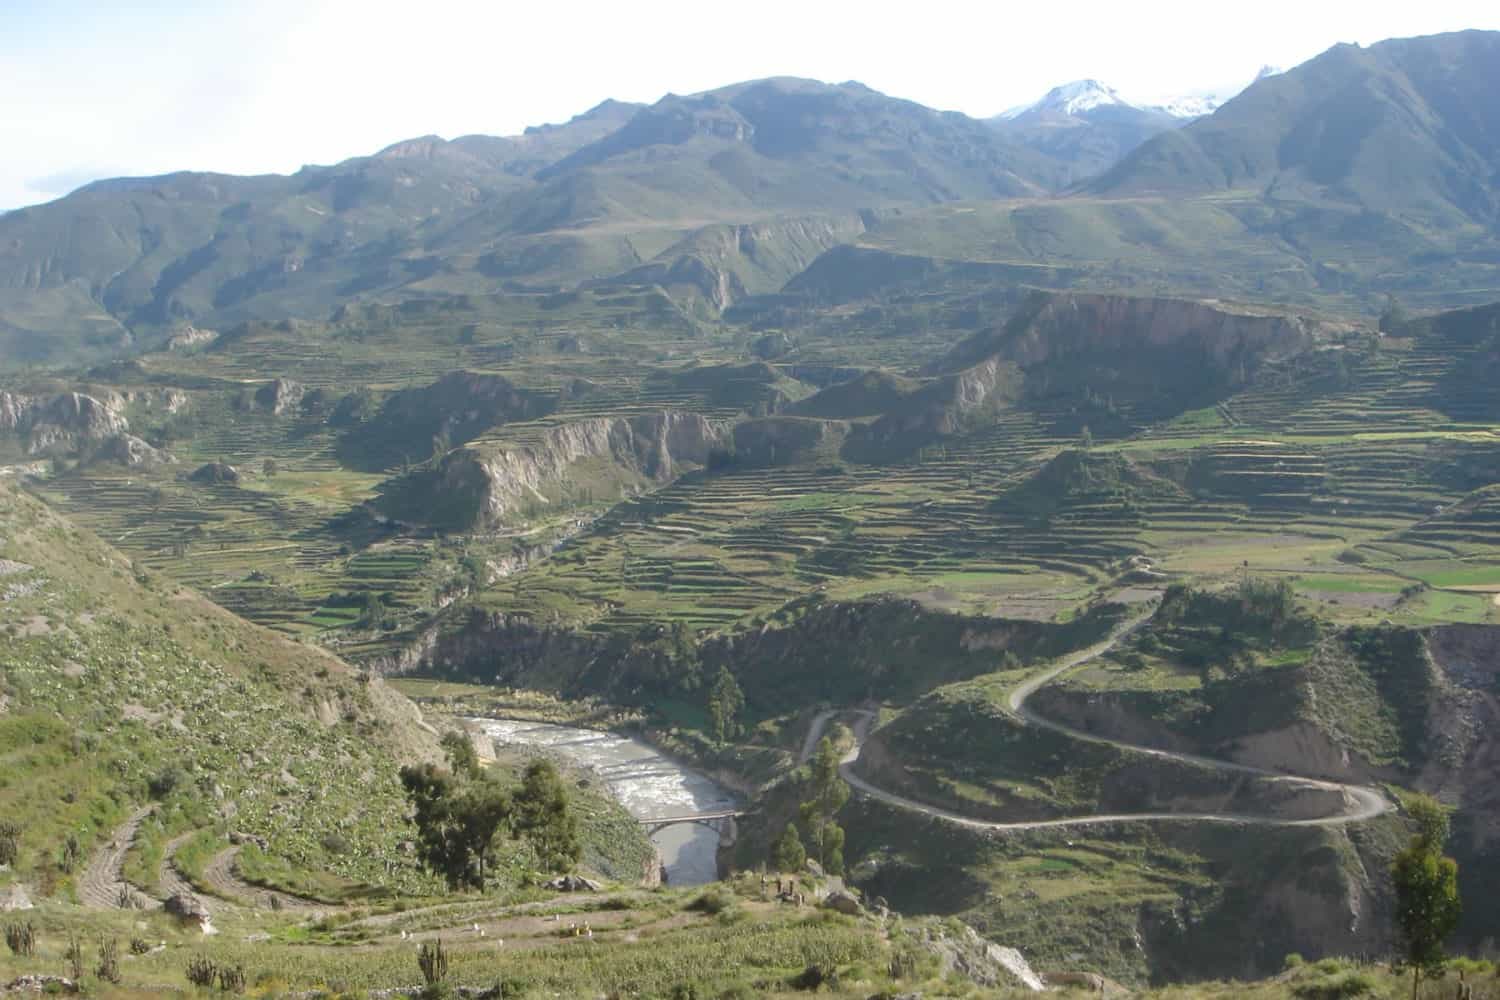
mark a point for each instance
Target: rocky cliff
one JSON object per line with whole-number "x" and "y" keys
{"x": 58, "y": 422}
{"x": 943, "y": 407}
{"x": 788, "y": 441}
{"x": 454, "y": 410}
{"x": 1057, "y": 326}
{"x": 473, "y": 488}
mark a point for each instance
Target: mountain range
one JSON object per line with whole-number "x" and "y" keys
{"x": 1389, "y": 151}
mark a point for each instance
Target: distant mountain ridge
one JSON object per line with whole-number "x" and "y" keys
{"x": 1407, "y": 126}
{"x": 732, "y": 192}
{"x": 125, "y": 259}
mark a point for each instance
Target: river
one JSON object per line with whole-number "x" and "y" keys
{"x": 647, "y": 784}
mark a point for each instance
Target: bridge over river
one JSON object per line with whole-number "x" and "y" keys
{"x": 722, "y": 822}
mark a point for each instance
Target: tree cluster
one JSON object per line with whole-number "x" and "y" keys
{"x": 463, "y": 811}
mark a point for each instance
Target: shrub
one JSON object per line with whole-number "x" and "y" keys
{"x": 512, "y": 988}
{"x": 336, "y": 844}
{"x": 712, "y": 902}
{"x": 164, "y": 782}
{"x": 815, "y": 977}
{"x": 1337, "y": 987}
{"x": 1293, "y": 960}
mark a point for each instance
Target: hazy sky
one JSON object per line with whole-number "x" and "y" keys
{"x": 100, "y": 89}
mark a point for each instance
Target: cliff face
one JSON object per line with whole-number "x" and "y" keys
{"x": 945, "y": 406}
{"x": 477, "y": 489}
{"x": 1060, "y": 326}
{"x": 456, "y": 408}
{"x": 280, "y": 396}
{"x": 58, "y": 421}
{"x": 788, "y": 440}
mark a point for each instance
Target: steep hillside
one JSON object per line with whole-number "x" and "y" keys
{"x": 120, "y": 689}
{"x": 1403, "y": 127}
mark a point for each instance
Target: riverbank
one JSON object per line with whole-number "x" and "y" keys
{"x": 648, "y": 784}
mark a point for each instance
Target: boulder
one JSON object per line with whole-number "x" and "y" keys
{"x": 771, "y": 346}
{"x": 279, "y": 396}
{"x": 131, "y": 452}
{"x": 240, "y": 838}
{"x": 574, "y": 883}
{"x": 215, "y": 472}
{"x": 14, "y": 897}
{"x": 186, "y": 907}
{"x": 843, "y": 902}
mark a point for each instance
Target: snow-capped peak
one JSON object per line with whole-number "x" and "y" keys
{"x": 1070, "y": 99}
{"x": 1189, "y": 105}
{"x": 1205, "y": 102}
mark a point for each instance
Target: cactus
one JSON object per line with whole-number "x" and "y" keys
{"x": 108, "y": 968}
{"x": 434, "y": 963}
{"x": 74, "y": 955}
{"x": 232, "y": 980}
{"x": 202, "y": 972}
{"x": 21, "y": 938}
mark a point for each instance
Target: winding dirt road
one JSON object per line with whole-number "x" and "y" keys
{"x": 1360, "y": 802}
{"x": 221, "y": 877}
{"x": 102, "y": 884}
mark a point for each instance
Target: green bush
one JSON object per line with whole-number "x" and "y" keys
{"x": 1336, "y": 987}
{"x": 712, "y": 902}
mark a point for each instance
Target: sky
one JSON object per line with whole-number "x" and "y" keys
{"x": 121, "y": 88}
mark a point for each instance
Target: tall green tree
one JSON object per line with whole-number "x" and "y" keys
{"x": 787, "y": 853}
{"x": 462, "y": 757}
{"x": 827, "y": 793}
{"x": 725, "y": 703}
{"x": 1427, "y": 903}
{"x": 544, "y": 817}
{"x": 458, "y": 818}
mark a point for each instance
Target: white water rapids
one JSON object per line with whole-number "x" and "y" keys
{"x": 647, "y": 784}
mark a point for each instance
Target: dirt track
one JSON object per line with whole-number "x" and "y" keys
{"x": 102, "y": 882}
{"x": 221, "y": 877}
{"x": 1361, "y": 802}
{"x": 169, "y": 880}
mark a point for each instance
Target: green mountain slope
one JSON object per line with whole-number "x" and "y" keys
{"x": 1406, "y": 126}
{"x": 117, "y": 688}
{"x": 120, "y": 262}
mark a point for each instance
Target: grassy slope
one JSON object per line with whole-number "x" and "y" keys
{"x": 114, "y": 678}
